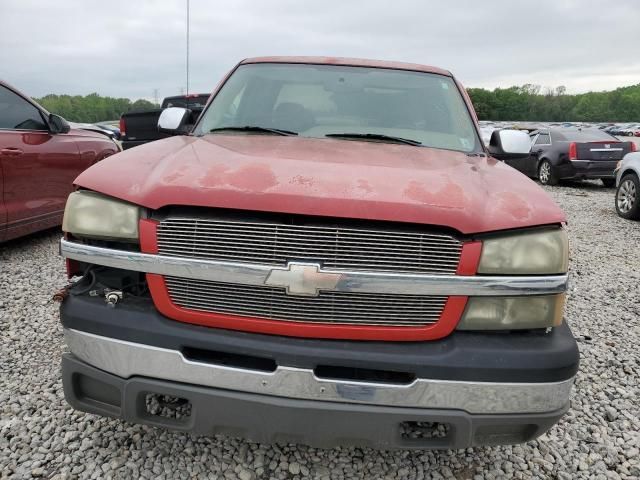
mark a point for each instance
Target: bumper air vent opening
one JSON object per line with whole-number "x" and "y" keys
{"x": 363, "y": 375}
{"x": 234, "y": 360}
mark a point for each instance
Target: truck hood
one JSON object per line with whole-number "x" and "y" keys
{"x": 326, "y": 177}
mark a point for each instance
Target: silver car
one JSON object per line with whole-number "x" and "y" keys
{"x": 628, "y": 183}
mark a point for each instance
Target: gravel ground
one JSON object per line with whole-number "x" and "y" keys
{"x": 40, "y": 436}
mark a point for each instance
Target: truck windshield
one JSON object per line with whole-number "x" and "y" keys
{"x": 342, "y": 102}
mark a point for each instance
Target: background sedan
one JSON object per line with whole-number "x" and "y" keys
{"x": 564, "y": 153}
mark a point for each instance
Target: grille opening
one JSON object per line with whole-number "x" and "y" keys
{"x": 346, "y": 308}
{"x": 167, "y": 406}
{"x": 235, "y": 360}
{"x": 389, "y": 248}
{"x": 424, "y": 430}
{"x": 363, "y": 375}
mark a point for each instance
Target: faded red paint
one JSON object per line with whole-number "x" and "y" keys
{"x": 470, "y": 258}
{"x": 249, "y": 177}
{"x": 450, "y": 195}
{"x": 326, "y": 177}
{"x": 148, "y": 235}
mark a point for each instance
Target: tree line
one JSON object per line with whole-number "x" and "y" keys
{"x": 529, "y": 103}
{"x": 525, "y": 103}
{"x": 91, "y": 108}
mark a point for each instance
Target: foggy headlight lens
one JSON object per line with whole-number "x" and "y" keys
{"x": 512, "y": 313}
{"x": 90, "y": 214}
{"x": 545, "y": 252}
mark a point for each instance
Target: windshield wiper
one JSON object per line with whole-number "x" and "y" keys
{"x": 375, "y": 136}
{"x": 255, "y": 128}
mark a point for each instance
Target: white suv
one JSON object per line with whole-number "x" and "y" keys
{"x": 628, "y": 183}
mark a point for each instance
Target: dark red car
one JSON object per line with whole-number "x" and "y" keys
{"x": 40, "y": 156}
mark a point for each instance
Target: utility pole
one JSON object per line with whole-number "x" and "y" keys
{"x": 155, "y": 96}
{"x": 187, "y": 47}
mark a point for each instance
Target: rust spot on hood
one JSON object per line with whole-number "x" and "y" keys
{"x": 365, "y": 186}
{"x": 450, "y": 195}
{"x": 254, "y": 177}
{"x": 175, "y": 176}
{"x": 302, "y": 180}
{"x": 514, "y": 205}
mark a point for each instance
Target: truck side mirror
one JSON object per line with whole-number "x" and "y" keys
{"x": 509, "y": 144}
{"x": 57, "y": 124}
{"x": 173, "y": 120}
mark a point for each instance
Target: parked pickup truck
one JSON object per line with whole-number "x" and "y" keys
{"x": 330, "y": 257}
{"x": 138, "y": 127}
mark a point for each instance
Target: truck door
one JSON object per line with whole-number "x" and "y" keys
{"x": 33, "y": 162}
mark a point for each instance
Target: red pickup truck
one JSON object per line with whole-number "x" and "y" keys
{"x": 331, "y": 256}
{"x": 40, "y": 156}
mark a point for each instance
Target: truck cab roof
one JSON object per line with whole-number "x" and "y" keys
{"x": 346, "y": 61}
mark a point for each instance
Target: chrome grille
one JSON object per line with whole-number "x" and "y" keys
{"x": 345, "y": 308}
{"x": 338, "y": 247}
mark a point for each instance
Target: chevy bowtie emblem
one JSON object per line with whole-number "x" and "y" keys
{"x": 302, "y": 279}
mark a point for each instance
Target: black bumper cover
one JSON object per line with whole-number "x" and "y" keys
{"x": 270, "y": 419}
{"x": 527, "y": 357}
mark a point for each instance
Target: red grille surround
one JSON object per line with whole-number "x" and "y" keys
{"x": 447, "y": 322}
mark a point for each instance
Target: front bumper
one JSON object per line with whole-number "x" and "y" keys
{"x": 273, "y": 419}
{"x": 489, "y": 387}
{"x": 128, "y": 359}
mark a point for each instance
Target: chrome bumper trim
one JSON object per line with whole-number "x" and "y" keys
{"x": 127, "y": 359}
{"x": 349, "y": 281}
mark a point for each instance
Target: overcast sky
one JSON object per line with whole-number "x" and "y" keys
{"x": 129, "y": 48}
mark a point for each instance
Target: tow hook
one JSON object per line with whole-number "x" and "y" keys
{"x": 112, "y": 297}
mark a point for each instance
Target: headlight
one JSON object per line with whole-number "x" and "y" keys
{"x": 90, "y": 214}
{"x": 512, "y": 313}
{"x": 535, "y": 253}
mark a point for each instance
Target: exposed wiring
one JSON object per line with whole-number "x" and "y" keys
{"x": 81, "y": 291}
